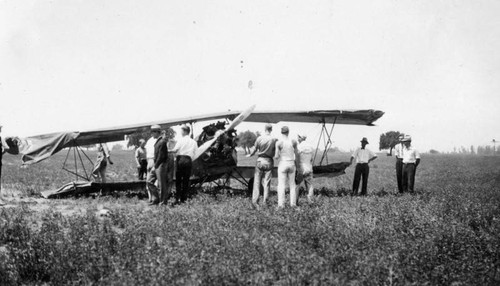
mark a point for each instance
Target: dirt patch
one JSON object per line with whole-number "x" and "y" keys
{"x": 41, "y": 205}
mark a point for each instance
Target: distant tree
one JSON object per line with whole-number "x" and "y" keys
{"x": 472, "y": 150}
{"x": 480, "y": 150}
{"x": 133, "y": 139}
{"x": 488, "y": 150}
{"x": 432, "y": 151}
{"x": 388, "y": 140}
{"x": 246, "y": 140}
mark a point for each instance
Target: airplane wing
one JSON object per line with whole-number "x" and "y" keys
{"x": 354, "y": 117}
{"x": 117, "y": 133}
{"x": 37, "y": 148}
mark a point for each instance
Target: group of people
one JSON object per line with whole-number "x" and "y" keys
{"x": 157, "y": 159}
{"x": 407, "y": 161}
{"x": 295, "y": 159}
{"x": 294, "y": 167}
{"x": 160, "y": 162}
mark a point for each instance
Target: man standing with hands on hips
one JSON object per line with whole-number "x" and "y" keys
{"x": 363, "y": 157}
{"x": 265, "y": 147}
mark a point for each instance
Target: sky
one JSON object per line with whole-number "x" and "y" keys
{"x": 432, "y": 66}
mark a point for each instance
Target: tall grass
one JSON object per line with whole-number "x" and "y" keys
{"x": 448, "y": 233}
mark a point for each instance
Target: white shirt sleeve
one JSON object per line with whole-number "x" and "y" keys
{"x": 355, "y": 153}
{"x": 176, "y": 147}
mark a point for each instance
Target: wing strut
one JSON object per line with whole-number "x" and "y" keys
{"x": 78, "y": 160}
{"x": 327, "y": 141}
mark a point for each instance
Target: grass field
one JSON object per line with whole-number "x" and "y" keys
{"x": 446, "y": 234}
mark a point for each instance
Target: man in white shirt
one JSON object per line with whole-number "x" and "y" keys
{"x": 363, "y": 157}
{"x": 286, "y": 152}
{"x": 150, "y": 157}
{"x": 186, "y": 149}
{"x": 398, "y": 151}
{"x": 305, "y": 171}
{"x": 156, "y": 179}
{"x": 411, "y": 160}
{"x": 141, "y": 160}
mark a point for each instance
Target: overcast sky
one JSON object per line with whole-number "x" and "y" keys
{"x": 432, "y": 66}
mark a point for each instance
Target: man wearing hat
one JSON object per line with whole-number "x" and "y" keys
{"x": 286, "y": 152}
{"x": 186, "y": 149}
{"x": 305, "y": 170}
{"x": 398, "y": 151}
{"x": 157, "y": 167}
{"x": 265, "y": 147}
{"x": 150, "y": 157}
{"x": 141, "y": 159}
{"x": 363, "y": 157}
{"x": 411, "y": 160}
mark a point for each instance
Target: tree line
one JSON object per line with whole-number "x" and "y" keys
{"x": 390, "y": 139}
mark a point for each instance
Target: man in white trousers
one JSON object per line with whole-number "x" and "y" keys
{"x": 286, "y": 153}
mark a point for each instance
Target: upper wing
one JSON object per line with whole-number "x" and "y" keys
{"x": 40, "y": 147}
{"x": 117, "y": 133}
{"x": 355, "y": 117}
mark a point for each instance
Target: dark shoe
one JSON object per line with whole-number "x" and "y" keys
{"x": 153, "y": 203}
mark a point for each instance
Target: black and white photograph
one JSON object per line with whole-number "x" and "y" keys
{"x": 230, "y": 142}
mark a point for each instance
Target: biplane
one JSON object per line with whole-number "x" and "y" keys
{"x": 216, "y": 160}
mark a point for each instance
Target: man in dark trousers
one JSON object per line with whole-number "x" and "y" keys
{"x": 185, "y": 148}
{"x": 159, "y": 170}
{"x": 411, "y": 160}
{"x": 363, "y": 157}
{"x": 141, "y": 159}
{"x": 398, "y": 151}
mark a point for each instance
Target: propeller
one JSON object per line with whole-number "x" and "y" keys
{"x": 240, "y": 118}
